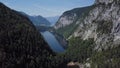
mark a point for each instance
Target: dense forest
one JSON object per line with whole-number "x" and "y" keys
{"x": 93, "y": 35}
{"x": 95, "y": 46}
{"x": 21, "y": 45}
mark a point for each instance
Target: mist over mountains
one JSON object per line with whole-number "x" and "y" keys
{"x": 53, "y": 20}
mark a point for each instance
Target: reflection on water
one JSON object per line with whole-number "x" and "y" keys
{"x": 52, "y": 41}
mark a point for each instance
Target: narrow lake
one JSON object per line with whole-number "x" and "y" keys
{"x": 52, "y": 41}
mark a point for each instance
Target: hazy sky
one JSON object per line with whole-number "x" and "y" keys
{"x": 46, "y": 8}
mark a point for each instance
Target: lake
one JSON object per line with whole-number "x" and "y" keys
{"x": 52, "y": 42}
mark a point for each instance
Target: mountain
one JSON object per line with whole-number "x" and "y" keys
{"x": 38, "y": 20}
{"x": 67, "y": 23}
{"x": 21, "y": 45}
{"x": 53, "y": 20}
{"x": 102, "y": 23}
{"x": 94, "y": 42}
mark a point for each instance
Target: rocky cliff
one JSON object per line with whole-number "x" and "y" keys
{"x": 21, "y": 45}
{"x": 67, "y": 23}
{"x": 102, "y": 24}
{"x": 106, "y": 1}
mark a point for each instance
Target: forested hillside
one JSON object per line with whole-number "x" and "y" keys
{"x": 21, "y": 45}
{"x": 94, "y": 43}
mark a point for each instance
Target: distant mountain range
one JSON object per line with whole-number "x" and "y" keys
{"x": 42, "y": 21}
{"x": 53, "y": 20}
{"x": 38, "y": 20}
{"x": 92, "y": 33}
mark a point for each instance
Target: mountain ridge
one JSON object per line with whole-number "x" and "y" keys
{"x": 21, "y": 45}
{"x": 68, "y": 21}
{"x": 95, "y": 41}
{"x": 38, "y": 20}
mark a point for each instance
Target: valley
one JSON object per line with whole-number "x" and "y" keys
{"x": 82, "y": 37}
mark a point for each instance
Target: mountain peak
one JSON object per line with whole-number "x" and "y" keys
{"x": 105, "y": 1}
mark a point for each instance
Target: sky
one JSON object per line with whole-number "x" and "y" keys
{"x": 46, "y": 8}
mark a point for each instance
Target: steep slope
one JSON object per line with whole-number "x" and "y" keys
{"x": 21, "y": 45}
{"x": 37, "y": 20}
{"x": 96, "y": 40}
{"x": 102, "y": 23}
{"x": 67, "y": 23}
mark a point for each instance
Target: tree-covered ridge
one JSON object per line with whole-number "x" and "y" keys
{"x": 83, "y": 52}
{"x": 109, "y": 58}
{"x": 21, "y": 45}
{"x": 78, "y": 51}
{"x": 67, "y": 31}
{"x": 102, "y": 23}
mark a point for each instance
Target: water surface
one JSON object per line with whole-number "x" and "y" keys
{"x": 52, "y": 41}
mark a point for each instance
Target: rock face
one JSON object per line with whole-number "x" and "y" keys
{"x": 102, "y": 24}
{"x": 103, "y": 1}
{"x": 21, "y": 45}
{"x": 106, "y": 1}
{"x": 70, "y": 16}
{"x": 74, "y": 65}
{"x": 65, "y": 20}
{"x": 67, "y": 23}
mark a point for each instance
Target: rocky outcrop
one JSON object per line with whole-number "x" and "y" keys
{"x": 102, "y": 24}
{"x": 106, "y": 2}
{"x": 65, "y": 20}
{"x": 68, "y": 22}
{"x": 75, "y": 65}
{"x": 21, "y": 45}
{"x": 70, "y": 16}
{"x": 103, "y": 1}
